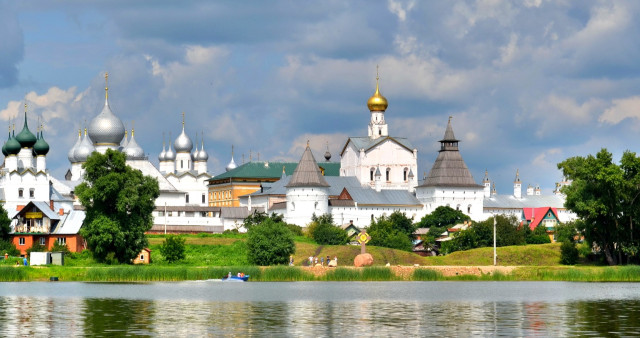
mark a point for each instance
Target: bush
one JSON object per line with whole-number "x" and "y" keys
{"x": 328, "y": 234}
{"x": 568, "y": 253}
{"x": 296, "y": 230}
{"x": 57, "y": 247}
{"x": 173, "y": 248}
{"x": 36, "y": 247}
{"x": 270, "y": 243}
{"x": 9, "y": 248}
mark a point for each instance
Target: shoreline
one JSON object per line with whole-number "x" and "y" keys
{"x": 131, "y": 273}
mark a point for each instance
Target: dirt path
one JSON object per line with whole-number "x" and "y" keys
{"x": 447, "y": 270}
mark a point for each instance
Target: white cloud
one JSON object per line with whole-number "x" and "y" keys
{"x": 621, "y": 109}
{"x": 509, "y": 52}
{"x": 400, "y": 9}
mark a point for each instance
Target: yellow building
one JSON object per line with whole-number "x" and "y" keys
{"x": 225, "y": 189}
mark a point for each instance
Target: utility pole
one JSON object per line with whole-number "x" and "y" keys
{"x": 165, "y": 218}
{"x": 495, "y": 255}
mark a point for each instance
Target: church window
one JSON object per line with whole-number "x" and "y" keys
{"x": 371, "y": 174}
{"x": 458, "y": 207}
{"x": 372, "y": 217}
{"x": 380, "y": 132}
{"x": 404, "y": 174}
{"x": 387, "y": 175}
{"x": 204, "y": 198}
{"x": 32, "y": 193}
{"x": 20, "y": 192}
{"x": 469, "y": 209}
{"x": 186, "y": 198}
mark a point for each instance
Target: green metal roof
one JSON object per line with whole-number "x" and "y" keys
{"x": 273, "y": 170}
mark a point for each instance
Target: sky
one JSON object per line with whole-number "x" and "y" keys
{"x": 528, "y": 83}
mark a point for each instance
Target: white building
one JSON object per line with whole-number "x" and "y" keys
{"x": 394, "y": 157}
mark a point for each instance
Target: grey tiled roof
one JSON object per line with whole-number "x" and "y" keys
{"x": 527, "y": 201}
{"x": 367, "y": 143}
{"x": 361, "y": 195}
{"x": 307, "y": 173}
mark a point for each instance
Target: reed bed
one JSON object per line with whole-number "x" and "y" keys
{"x": 163, "y": 273}
{"x": 365, "y": 274}
{"x": 426, "y": 275}
{"x": 11, "y": 274}
{"x": 283, "y": 273}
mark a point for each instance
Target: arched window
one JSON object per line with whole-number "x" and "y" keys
{"x": 388, "y": 171}
{"x": 469, "y": 209}
{"x": 405, "y": 173}
{"x": 371, "y": 174}
{"x": 458, "y": 207}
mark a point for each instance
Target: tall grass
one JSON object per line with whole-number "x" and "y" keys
{"x": 426, "y": 275}
{"x": 365, "y": 274}
{"x": 283, "y": 273}
{"x": 163, "y": 273}
{"x": 11, "y": 274}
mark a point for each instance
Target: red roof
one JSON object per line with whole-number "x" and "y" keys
{"x": 537, "y": 215}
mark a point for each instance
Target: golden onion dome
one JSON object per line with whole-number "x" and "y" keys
{"x": 377, "y": 102}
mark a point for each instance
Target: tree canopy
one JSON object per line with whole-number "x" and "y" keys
{"x": 604, "y": 195}
{"x": 394, "y": 231}
{"x": 270, "y": 243}
{"x": 118, "y": 202}
{"x": 439, "y": 220}
{"x": 325, "y": 232}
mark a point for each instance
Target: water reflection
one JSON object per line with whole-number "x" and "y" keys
{"x": 70, "y": 312}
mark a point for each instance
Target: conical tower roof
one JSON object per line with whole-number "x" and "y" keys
{"x": 307, "y": 173}
{"x": 449, "y": 169}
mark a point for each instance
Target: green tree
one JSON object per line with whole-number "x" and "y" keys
{"x": 36, "y": 247}
{"x": 387, "y": 234}
{"x": 440, "y": 219}
{"x": 5, "y": 225}
{"x": 9, "y": 248}
{"x": 568, "y": 253}
{"x": 173, "y": 248}
{"x": 324, "y": 232}
{"x": 537, "y": 236}
{"x": 566, "y": 232}
{"x": 258, "y": 217}
{"x": 119, "y": 202}
{"x": 57, "y": 247}
{"x": 604, "y": 195}
{"x": 270, "y": 243}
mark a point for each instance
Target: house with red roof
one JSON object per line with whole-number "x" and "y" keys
{"x": 546, "y": 216}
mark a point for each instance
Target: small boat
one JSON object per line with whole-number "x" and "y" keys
{"x": 232, "y": 278}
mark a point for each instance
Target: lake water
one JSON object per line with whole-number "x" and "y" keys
{"x": 320, "y": 309}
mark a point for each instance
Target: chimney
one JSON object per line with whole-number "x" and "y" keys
{"x": 61, "y": 212}
{"x": 51, "y": 205}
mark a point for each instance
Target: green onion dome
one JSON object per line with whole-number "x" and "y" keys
{"x": 41, "y": 147}
{"x": 26, "y": 137}
{"x": 12, "y": 146}
{"x": 4, "y": 146}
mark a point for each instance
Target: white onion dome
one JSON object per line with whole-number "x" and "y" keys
{"x": 126, "y": 139}
{"x": 133, "y": 150}
{"x": 41, "y": 147}
{"x": 84, "y": 149}
{"x": 169, "y": 155}
{"x": 106, "y": 128}
{"x": 70, "y": 155}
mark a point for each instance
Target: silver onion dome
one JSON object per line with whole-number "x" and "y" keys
{"x": 202, "y": 154}
{"x": 163, "y": 153}
{"x": 169, "y": 155}
{"x": 183, "y": 143}
{"x": 106, "y": 128}
{"x": 70, "y": 155}
{"x": 232, "y": 164}
{"x": 133, "y": 150}
{"x": 84, "y": 149}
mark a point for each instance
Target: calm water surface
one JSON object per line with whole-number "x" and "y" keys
{"x": 211, "y": 308}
